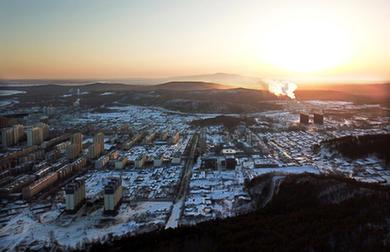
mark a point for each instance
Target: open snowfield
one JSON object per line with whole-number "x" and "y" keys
{"x": 90, "y": 225}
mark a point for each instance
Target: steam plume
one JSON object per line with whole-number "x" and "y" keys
{"x": 281, "y": 87}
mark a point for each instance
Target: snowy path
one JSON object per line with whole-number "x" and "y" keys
{"x": 173, "y": 220}
{"x": 276, "y": 181}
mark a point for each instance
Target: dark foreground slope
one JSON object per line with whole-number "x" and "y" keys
{"x": 354, "y": 147}
{"x": 309, "y": 213}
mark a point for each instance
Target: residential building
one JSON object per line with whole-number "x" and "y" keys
{"x": 7, "y": 137}
{"x": 74, "y": 195}
{"x": 34, "y": 136}
{"x": 318, "y": 118}
{"x": 112, "y": 195}
{"x": 304, "y": 118}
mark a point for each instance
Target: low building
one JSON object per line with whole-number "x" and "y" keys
{"x": 265, "y": 163}
{"x": 209, "y": 163}
{"x": 176, "y": 158}
{"x": 16, "y": 185}
{"x": 112, "y": 195}
{"x": 140, "y": 161}
{"x": 164, "y": 136}
{"x": 121, "y": 163}
{"x": 176, "y": 138}
{"x": 230, "y": 162}
{"x": 157, "y": 161}
{"x": 39, "y": 185}
{"x": 74, "y": 195}
{"x": 150, "y": 138}
{"x": 229, "y": 151}
{"x": 102, "y": 161}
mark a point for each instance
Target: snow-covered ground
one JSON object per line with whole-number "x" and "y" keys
{"x": 29, "y": 230}
{"x": 152, "y": 183}
{"x": 149, "y": 193}
{"x": 11, "y": 92}
{"x": 285, "y": 170}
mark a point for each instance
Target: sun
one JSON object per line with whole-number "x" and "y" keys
{"x": 305, "y": 48}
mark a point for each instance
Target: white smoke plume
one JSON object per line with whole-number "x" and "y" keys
{"x": 281, "y": 87}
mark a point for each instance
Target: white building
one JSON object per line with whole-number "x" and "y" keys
{"x": 74, "y": 195}
{"x": 34, "y": 136}
{"x": 112, "y": 195}
{"x": 121, "y": 163}
{"x": 102, "y": 161}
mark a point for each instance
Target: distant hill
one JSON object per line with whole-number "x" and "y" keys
{"x": 234, "y": 80}
{"x": 99, "y": 87}
{"x": 381, "y": 90}
{"x": 174, "y": 85}
{"x": 189, "y": 85}
{"x": 360, "y": 93}
{"x": 226, "y": 79}
{"x": 192, "y": 96}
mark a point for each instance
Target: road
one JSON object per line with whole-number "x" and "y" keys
{"x": 177, "y": 209}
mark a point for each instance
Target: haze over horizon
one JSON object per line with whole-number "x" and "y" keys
{"x": 323, "y": 42}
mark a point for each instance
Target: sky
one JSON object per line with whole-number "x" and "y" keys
{"x": 323, "y": 40}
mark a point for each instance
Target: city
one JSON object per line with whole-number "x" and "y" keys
{"x": 194, "y": 125}
{"x": 72, "y": 177}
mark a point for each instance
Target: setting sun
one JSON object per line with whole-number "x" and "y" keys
{"x": 305, "y": 44}
{"x": 298, "y": 40}
{"x": 306, "y": 49}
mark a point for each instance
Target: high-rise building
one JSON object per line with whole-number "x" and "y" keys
{"x": 72, "y": 152}
{"x": 92, "y": 151}
{"x": 318, "y": 118}
{"x": 49, "y": 110}
{"x": 7, "y": 137}
{"x": 97, "y": 147}
{"x": 112, "y": 195}
{"x": 4, "y": 122}
{"x": 18, "y": 132}
{"x": 74, "y": 195}
{"x": 98, "y": 139}
{"x": 45, "y": 130}
{"x": 34, "y": 136}
{"x": 77, "y": 139}
{"x": 75, "y": 147}
{"x": 304, "y": 118}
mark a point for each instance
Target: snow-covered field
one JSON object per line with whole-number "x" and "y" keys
{"x": 220, "y": 194}
{"x": 89, "y": 225}
{"x": 11, "y": 92}
{"x": 153, "y": 183}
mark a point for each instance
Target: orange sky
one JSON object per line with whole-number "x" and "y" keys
{"x": 326, "y": 40}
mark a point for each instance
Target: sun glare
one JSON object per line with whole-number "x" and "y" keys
{"x": 307, "y": 48}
